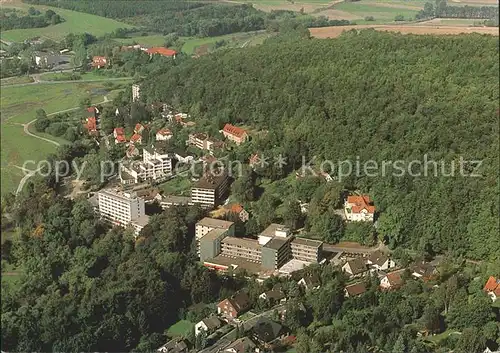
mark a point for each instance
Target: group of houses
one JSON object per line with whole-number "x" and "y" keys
{"x": 99, "y": 61}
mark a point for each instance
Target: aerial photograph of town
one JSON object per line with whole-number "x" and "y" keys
{"x": 250, "y": 176}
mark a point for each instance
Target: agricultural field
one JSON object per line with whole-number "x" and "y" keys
{"x": 74, "y": 22}
{"x": 333, "y": 32}
{"x": 18, "y": 107}
{"x": 150, "y": 40}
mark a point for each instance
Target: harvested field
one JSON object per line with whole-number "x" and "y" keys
{"x": 333, "y": 32}
{"x": 398, "y": 6}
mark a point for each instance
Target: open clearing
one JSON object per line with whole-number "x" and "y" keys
{"x": 19, "y": 105}
{"x": 180, "y": 328}
{"x": 333, "y": 32}
{"x": 74, "y": 22}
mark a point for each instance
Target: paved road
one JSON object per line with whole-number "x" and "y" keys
{"x": 30, "y": 173}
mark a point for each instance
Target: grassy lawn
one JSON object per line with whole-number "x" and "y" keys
{"x": 74, "y": 22}
{"x": 180, "y": 328}
{"x": 66, "y": 76}
{"x": 15, "y": 80}
{"x": 11, "y": 274}
{"x": 176, "y": 186}
{"x": 18, "y": 106}
{"x": 440, "y": 336}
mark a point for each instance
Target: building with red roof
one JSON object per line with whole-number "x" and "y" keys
{"x": 492, "y": 288}
{"x": 120, "y": 139}
{"x": 359, "y": 208}
{"x": 118, "y": 131}
{"x": 238, "y": 209}
{"x": 164, "y": 135}
{"x": 136, "y": 138}
{"x": 161, "y": 51}
{"x": 138, "y": 129}
{"x": 234, "y": 133}
{"x": 91, "y": 126}
{"x": 392, "y": 280}
{"x": 99, "y": 61}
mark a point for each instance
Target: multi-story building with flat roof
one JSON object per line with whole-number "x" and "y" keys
{"x": 275, "y": 253}
{"x": 245, "y": 248}
{"x": 120, "y": 208}
{"x": 214, "y": 230}
{"x": 307, "y": 250}
{"x": 210, "y": 190}
{"x": 156, "y": 165}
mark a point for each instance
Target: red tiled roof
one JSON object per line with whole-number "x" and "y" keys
{"x": 91, "y": 124}
{"x": 395, "y": 278}
{"x": 138, "y": 127}
{"x": 99, "y": 61}
{"x": 235, "y": 207}
{"x": 360, "y": 203}
{"x": 164, "y": 132}
{"x": 356, "y": 289}
{"x": 135, "y": 138}
{"x": 161, "y": 51}
{"x": 234, "y": 130}
{"x": 492, "y": 285}
{"x": 121, "y": 138}
{"x": 119, "y": 130}
{"x": 91, "y": 109}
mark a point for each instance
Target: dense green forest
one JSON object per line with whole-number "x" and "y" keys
{"x": 370, "y": 96}
{"x": 12, "y": 19}
{"x": 187, "y": 18}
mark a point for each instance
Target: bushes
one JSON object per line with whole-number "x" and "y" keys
{"x": 42, "y": 124}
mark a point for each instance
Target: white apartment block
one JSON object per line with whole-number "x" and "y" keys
{"x": 136, "y": 92}
{"x": 155, "y": 165}
{"x": 120, "y": 208}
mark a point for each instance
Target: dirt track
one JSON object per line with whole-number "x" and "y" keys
{"x": 333, "y": 32}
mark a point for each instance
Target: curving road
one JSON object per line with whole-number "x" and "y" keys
{"x": 30, "y": 173}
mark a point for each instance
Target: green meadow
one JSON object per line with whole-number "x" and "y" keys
{"x": 74, "y": 22}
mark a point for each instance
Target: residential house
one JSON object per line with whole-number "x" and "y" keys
{"x": 168, "y": 201}
{"x": 266, "y": 331}
{"x": 359, "y": 208}
{"x": 274, "y": 295}
{"x": 234, "y": 133}
{"x": 136, "y": 138}
{"x": 355, "y": 267}
{"x": 49, "y": 60}
{"x": 237, "y": 209}
{"x": 138, "y": 129}
{"x": 120, "y": 139}
{"x": 379, "y": 261}
{"x": 99, "y": 61}
{"x": 164, "y": 135}
{"x": 492, "y": 288}
{"x": 183, "y": 157}
{"x": 118, "y": 131}
{"x": 354, "y": 289}
{"x": 92, "y": 112}
{"x": 424, "y": 270}
{"x": 177, "y": 345}
{"x": 309, "y": 282}
{"x": 202, "y": 141}
{"x": 161, "y": 51}
{"x": 392, "y": 280}
{"x": 91, "y": 126}
{"x": 232, "y": 307}
{"x": 241, "y": 345}
{"x": 208, "y": 324}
